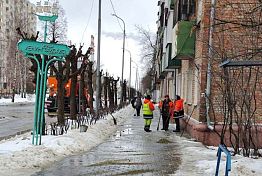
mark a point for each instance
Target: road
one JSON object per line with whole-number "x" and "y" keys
{"x": 16, "y": 119}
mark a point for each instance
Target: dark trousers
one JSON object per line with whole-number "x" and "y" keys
{"x": 138, "y": 111}
{"x": 177, "y": 124}
{"x": 165, "y": 119}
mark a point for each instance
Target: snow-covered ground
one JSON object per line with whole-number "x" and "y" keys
{"x": 18, "y": 99}
{"x": 19, "y": 157}
{"x": 198, "y": 160}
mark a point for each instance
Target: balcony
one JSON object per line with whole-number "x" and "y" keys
{"x": 167, "y": 63}
{"x": 183, "y": 41}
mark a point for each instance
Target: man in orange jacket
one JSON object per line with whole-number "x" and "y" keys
{"x": 148, "y": 108}
{"x": 178, "y": 112}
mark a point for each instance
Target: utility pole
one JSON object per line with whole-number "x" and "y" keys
{"x": 98, "y": 59}
{"x": 129, "y": 84}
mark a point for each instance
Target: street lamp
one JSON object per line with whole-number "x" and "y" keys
{"x": 129, "y": 74}
{"x": 123, "y": 57}
{"x": 137, "y": 81}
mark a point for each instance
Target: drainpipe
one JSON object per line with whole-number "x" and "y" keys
{"x": 175, "y": 84}
{"x": 210, "y": 44}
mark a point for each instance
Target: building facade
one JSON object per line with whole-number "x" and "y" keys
{"x": 208, "y": 53}
{"x": 14, "y": 68}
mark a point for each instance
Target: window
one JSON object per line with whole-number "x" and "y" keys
{"x": 6, "y": 1}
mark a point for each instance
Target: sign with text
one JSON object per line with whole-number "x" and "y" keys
{"x": 50, "y": 49}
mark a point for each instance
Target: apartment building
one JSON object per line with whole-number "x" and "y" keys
{"x": 14, "y": 68}
{"x": 208, "y": 53}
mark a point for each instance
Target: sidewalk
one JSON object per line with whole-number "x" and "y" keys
{"x": 130, "y": 151}
{"x": 106, "y": 149}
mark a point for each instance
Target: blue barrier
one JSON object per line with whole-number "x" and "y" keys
{"x": 222, "y": 148}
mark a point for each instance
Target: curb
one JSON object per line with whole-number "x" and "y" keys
{"x": 14, "y": 135}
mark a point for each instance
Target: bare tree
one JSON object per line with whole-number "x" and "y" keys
{"x": 148, "y": 47}
{"x": 148, "y": 54}
{"x": 57, "y": 31}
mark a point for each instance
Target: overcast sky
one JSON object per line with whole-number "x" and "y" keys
{"x": 81, "y": 14}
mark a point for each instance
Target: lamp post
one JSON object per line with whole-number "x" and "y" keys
{"x": 137, "y": 76}
{"x": 123, "y": 58}
{"x": 98, "y": 81}
{"x": 129, "y": 74}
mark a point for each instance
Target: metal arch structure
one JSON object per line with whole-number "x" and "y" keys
{"x": 30, "y": 49}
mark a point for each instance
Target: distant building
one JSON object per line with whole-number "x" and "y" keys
{"x": 14, "y": 68}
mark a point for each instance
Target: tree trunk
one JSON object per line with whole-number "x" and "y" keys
{"x": 73, "y": 106}
{"x": 100, "y": 91}
{"x": 90, "y": 85}
{"x": 60, "y": 101}
{"x": 115, "y": 91}
{"x": 83, "y": 99}
{"x": 105, "y": 89}
{"x": 110, "y": 93}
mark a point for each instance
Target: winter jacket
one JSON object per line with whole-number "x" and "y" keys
{"x": 138, "y": 103}
{"x": 166, "y": 107}
{"x": 179, "y": 105}
{"x": 178, "y": 108}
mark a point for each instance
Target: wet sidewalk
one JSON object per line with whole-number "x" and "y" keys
{"x": 130, "y": 151}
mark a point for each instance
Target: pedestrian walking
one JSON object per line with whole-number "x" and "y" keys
{"x": 148, "y": 108}
{"x": 166, "y": 107}
{"x": 138, "y": 105}
{"x": 178, "y": 112}
{"x": 133, "y": 103}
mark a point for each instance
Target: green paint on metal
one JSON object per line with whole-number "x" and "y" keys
{"x": 58, "y": 51}
{"x": 50, "y": 49}
{"x": 40, "y": 89}
{"x": 47, "y": 18}
{"x": 185, "y": 39}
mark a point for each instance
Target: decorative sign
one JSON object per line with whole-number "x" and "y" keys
{"x": 50, "y": 49}
{"x": 47, "y": 18}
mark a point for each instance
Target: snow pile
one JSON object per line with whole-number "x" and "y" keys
{"x": 199, "y": 160}
{"x": 29, "y": 98}
{"x": 18, "y": 155}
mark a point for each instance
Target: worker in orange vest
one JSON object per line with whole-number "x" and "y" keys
{"x": 178, "y": 112}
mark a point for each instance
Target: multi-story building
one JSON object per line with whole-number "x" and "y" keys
{"x": 14, "y": 68}
{"x": 194, "y": 40}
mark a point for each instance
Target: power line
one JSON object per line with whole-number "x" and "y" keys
{"x": 88, "y": 21}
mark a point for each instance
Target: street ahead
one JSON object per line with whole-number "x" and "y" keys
{"x": 16, "y": 119}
